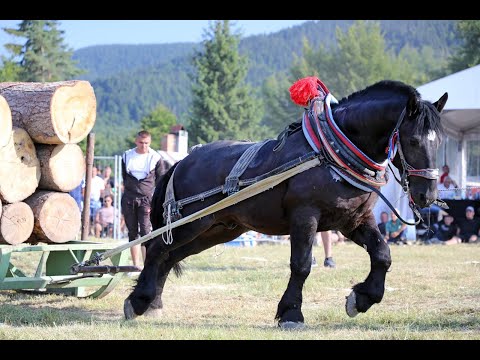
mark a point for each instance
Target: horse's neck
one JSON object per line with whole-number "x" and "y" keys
{"x": 369, "y": 131}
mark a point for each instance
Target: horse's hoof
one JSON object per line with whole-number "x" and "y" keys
{"x": 291, "y": 325}
{"x": 351, "y": 305}
{"x": 153, "y": 313}
{"x": 128, "y": 310}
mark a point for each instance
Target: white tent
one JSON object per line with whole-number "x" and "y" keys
{"x": 461, "y": 120}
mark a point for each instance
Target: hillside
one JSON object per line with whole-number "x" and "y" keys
{"x": 103, "y": 61}
{"x": 130, "y": 80}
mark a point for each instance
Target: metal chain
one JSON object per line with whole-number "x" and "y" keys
{"x": 467, "y": 188}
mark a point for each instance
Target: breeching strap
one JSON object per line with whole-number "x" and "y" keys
{"x": 241, "y": 195}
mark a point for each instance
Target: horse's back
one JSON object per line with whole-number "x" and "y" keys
{"x": 207, "y": 166}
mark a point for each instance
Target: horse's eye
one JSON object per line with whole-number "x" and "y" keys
{"x": 414, "y": 141}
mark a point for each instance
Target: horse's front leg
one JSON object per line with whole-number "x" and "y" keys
{"x": 303, "y": 228}
{"x": 371, "y": 291}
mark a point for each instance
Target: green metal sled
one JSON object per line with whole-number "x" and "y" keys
{"x": 53, "y": 275}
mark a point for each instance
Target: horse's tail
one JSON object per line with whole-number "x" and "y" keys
{"x": 156, "y": 214}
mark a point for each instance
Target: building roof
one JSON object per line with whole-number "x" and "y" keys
{"x": 176, "y": 128}
{"x": 461, "y": 114}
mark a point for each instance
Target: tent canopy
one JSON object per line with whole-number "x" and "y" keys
{"x": 461, "y": 115}
{"x": 461, "y": 120}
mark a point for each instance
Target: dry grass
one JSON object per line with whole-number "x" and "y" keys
{"x": 432, "y": 292}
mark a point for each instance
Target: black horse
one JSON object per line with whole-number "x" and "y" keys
{"x": 370, "y": 123}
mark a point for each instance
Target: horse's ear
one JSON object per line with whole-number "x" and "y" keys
{"x": 440, "y": 103}
{"x": 412, "y": 105}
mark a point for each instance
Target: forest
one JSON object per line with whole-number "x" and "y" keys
{"x": 132, "y": 81}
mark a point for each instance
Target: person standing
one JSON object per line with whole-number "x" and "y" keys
{"x": 97, "y": 186}
{"x": 109, "y": 183}
{"x": 142, "y": 168}
{"x": 77, "y": 194}
{"x": 327, "y": 238}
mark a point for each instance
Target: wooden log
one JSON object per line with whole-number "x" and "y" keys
{"x": 57, "y": 217}
{"x": 52, "y": 113}
{"x": 16, "y": 223}
{"x": 19, "y": 167}
{"x": 62, "y": 166}
{"x": 5, "y": 122}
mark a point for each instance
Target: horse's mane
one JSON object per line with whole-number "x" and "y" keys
{"x": 382, "y": 89}
{"x": 426, "y": 120}
{"x": 386, "y": 90}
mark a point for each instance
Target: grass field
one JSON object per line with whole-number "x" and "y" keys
{"x": 432, "y": 292}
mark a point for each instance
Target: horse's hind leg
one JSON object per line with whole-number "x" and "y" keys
{"x": 371, "y": 291}
{"x": 145, "y": 290}
{"x": 302, "y": 234}
{"x": 214, "y": 236}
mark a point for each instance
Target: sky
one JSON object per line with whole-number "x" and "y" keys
{"x": 82, "y": 33}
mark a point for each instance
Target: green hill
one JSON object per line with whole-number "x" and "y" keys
{"x": 130, "y": 80}
{"x": 103, "y": 61}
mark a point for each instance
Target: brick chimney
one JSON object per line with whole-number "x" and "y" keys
{"x": 176, "y": 140}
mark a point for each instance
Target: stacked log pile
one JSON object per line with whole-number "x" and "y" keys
{"x": 41, "y": 125}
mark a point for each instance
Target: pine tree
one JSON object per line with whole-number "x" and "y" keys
{"x": 468, "y": 54}
{"x": 43, "y": 57}
{"x": 360, "y": 59}
{"x": 363, "y": 59}
{"x": 280, "y": 110}
{"x": 9, "y": 70}
{"x": 223, "y": 107}
{"x": 158, "y": 123}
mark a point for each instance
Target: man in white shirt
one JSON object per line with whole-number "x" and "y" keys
{"x": 446, "y": 190}
{"x": 142, "y": 168}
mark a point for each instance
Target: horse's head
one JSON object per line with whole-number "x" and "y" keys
{"x": 420, "y": 134}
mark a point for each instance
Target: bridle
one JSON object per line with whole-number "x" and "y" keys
{"x": 394, "y": 146}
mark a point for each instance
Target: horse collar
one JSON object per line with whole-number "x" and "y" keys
{"x": 324, "y": 136}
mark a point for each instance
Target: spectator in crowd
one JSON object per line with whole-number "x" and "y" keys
{"x": 328, "y": 237}
{"x": 446, "y": 172}
{"x": 382, "y": 225}
{"x": 104, "y": 218}
{"x": 77, "y": 194}
{"x": 447, "y": 189}
{"x": 469, "y": 227}
{"x": 109, "y": 182}
{"x": 337, "y": 237}
{"x": 445, "y": 232}
{"x": 142, "y": 168}
{"x": 96, "y": 187}
{"x": 395, "y": 229}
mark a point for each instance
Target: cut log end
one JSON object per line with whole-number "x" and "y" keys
{"x": 62, "y": 166}
{"x": 20, "y": 168}
{"x": 57, "y": 217}
{"x": 16, "y": 223}
{"x": 74, "y": 110}
{"x": 5, "y": 122}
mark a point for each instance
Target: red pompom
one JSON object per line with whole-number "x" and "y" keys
{"x": 306, "y": 89}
